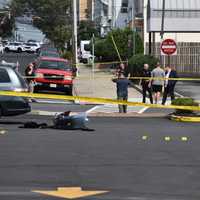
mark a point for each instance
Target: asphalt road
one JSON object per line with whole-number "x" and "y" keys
{"x": 68, "y": 106}
{"x": 189, "y": 89}
{"x": 114, "y": 158}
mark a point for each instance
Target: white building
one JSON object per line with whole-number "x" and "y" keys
{"x": 181, "y": 16}
{"x": 109, "y": 14}
{"x": 182, "y": 23}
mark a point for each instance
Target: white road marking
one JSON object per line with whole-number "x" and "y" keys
{"x": 92, "y": 109}
{"x": 143, "y": 110}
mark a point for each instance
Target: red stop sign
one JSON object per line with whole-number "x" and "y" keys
{"x": 168, "y": 47}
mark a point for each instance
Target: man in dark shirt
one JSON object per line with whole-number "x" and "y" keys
{"x": 169, "y": 84}
{"x": 146, "y": 84}
{"x": 122, "y": 91}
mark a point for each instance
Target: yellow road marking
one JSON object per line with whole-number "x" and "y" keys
{"x": 70, "y": 192}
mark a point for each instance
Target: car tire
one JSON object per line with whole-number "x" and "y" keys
{"x": 35, "y": 89}
{"x": 1, "y": 112}
{"x": 7, "y": 49}
{"x": 70, "y": 91}
{"x": 37, "y": 51}
{"x": 19, "y": 50}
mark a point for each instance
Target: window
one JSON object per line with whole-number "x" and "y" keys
{"x": 57, "y": 65}
{"x": 124, "y": 10}
{"x": 124, "y": 6}
{"x": 4, "y": 77}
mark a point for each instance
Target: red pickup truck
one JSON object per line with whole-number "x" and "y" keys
{"x": 53, "y": 74}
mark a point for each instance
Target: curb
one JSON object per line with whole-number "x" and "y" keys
{"x": 185, "y": 119}
{"x": 101, "y": 114}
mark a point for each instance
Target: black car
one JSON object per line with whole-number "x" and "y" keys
{"x": 11, "y": 80}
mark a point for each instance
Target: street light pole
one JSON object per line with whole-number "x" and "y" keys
{"x": 75, "y": 31}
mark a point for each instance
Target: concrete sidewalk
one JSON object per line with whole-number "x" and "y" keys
{"x": 98, "y": 85}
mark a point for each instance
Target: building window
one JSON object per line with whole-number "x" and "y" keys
{"x": 124, "y": 6}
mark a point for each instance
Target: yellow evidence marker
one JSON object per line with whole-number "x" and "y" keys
{"x": 144, "y": 137}
{"x": 184, "y": 139}
{"x": 167, "y": 138}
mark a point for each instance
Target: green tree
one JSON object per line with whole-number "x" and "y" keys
{"x": 52, "y": 17}
{"x": 86, "y": 29}
{"x": 105, "y": 49}
{"x": 137, "y": 62}
{"x": 6, "y": 25}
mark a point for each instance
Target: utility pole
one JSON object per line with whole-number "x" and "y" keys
{"x": 163, "y": 20}
{"x": 75, "y": 31}
{"x": 162, "y": 30}
{"x": 133, "y": 27}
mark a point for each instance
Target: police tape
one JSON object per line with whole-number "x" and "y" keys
{"x": 112, "y": 77}
{"x": 95, "y": 100}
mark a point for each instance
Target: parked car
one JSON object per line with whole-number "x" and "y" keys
{"x": 49, "y": 54}
{"x": 15, "y": 66}
{"x": 14, "y": 46}
{"x": 31, "y": 47}
{"x": 53, "y": 74}
{"x": 1, "y": 48}
{"x": 49, "y": 49}
{"x": 11, "y": 80}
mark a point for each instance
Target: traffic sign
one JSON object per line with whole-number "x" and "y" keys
{"x": 168, "y": 47}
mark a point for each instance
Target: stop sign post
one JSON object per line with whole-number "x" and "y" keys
{"x": 169, "y": 48}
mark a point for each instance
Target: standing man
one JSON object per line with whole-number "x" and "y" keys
{"x": 122, "y": 91}
{"x": 169, "y": 84}
{"x": 158, "y": 82}
{"x": 146, "y": 84}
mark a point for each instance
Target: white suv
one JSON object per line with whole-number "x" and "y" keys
{"x": 14, "y": 46}
{"x": 31, "y": 47}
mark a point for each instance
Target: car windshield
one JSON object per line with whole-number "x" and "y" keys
{"x": 4, "y": 77}
{"x": 31, "y": 45}
{"x": 59, "y": 65}
{"x": 50, "y": 54}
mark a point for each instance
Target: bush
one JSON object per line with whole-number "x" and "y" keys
{"x": 67, "y": 55}
{"x": 184, "y": 102}
{"x": 137, "y": 62}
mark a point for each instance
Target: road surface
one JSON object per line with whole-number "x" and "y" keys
{"x": 129, "y": 157}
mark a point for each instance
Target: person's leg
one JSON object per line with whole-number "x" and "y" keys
{"x": 144, "y": 91}
{"x": 120, "y": 106}
{"x": 172, "y": 93}
{"x": 165, "y": 96}
{"x": 150, "y": 95}
{"x": 158, "y": 97}
{"x": 125, "y": 106}
{"x": 154, "y": 93}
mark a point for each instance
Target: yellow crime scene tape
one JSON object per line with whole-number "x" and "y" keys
{"x": 131, "y": 78}
{"x": 95, "y": 100}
